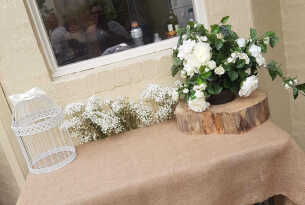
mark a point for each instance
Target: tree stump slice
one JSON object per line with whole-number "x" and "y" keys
{"x": 236, "y": 117}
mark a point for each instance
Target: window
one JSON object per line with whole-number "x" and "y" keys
{"x": 81, "y": 34}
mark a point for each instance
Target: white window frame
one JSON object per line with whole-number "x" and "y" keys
{"x": 58, "y": 71}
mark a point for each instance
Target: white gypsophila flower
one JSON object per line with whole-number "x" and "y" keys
{"x": 93, "y": 104}
{"x": 160, "y": 95}
{"x": 186, "y": 49}
{"x": 107, "y": 121}
{"x": 144, "y": 114}
{"x": 255, "y": 50}
{"x": 241, "y": 42}
{"x": 175, "y": 95}
{"x": 248, "y": 71}
{"x": 164, "y": 113}
{"x": 107, "y": 102}
{"x": 119, "y": 104}
{"x": 73, "y": 123}
{"x": 267, "y": 40}
{"x": 198, "y": 104}
{"x": 74, "y": 108}
{"x": 248, "y": 86}
{"x": 186, "y": 91}
{"x": 219, "y": 70}
{"x": 211, "y": 65}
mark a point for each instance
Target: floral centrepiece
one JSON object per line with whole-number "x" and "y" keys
{"x": 214, "y": 61}
{"x": 98, "y": 120}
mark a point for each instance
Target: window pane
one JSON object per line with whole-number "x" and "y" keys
{"x": 85, "y": 29}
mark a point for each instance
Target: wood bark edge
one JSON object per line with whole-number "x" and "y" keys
{"x": 236, "y": 117}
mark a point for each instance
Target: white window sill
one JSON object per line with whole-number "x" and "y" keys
{"x": 115, "y": 58}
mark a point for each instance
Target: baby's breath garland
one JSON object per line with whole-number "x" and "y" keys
{"x": 97, "y": 120}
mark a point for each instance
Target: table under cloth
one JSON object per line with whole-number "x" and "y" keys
{"x": 160, "y": 165}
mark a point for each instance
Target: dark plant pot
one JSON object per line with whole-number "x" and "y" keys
{"x": 222, "y": 98}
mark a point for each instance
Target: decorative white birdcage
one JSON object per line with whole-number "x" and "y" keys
{"x": 36, "y": 123}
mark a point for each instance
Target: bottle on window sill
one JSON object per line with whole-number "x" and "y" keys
{"x": 136, "y": 34}
{"x": 157, "y": 38}
{"x": 191, "y": 14}
{"x": 172, "y": 22}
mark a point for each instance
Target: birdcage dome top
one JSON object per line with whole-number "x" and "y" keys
{"x": 34, "y": 112}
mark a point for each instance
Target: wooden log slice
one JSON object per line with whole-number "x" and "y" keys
{"x": 235, "y": 117}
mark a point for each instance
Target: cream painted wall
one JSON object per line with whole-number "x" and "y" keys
{"x": 279, "y": 98}
{"x": 22, "y": 65}
{"x": 294, "y": 40}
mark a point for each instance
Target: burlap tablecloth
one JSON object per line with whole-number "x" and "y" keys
{"x": 162, "y": 166}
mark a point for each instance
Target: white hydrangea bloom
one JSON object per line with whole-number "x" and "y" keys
{"x": 220, "y": 36}
{"x": 267, "y": 40}
{"x": 248, "y": 71}
{"x": 256, "y": 52}
{"x": 237, "y": 55}
{"x": 186, "y": 91}
{"x": 198, "y": 104}
{"x": 199, "y": 94}
{"x": 203, "y": 38}
{"x": 202, "y": 52}
{"x": 219, "y": 70}
{"x": 183, "y": 74}
{"x": 186, "y": 49}
{"x": 241, "y": 42}
{"x": 248, "y": 86}
{"x": 211, "y": 65}
{"x": 260, "y": 60}
{"x": 201, "y": 55}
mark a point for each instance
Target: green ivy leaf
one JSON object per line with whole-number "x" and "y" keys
{"x": 225, "y": 19}
{"x": 241, "y": 64}
{"x": 253, "y": 34}
{"x": 219, "y": 44}
{"x": 274, "y": 70}
{"x": 215, "y": 89}
{"x": 175, "y": 69}
{"x": 205, "y": 76}
{"x": 233, "y": 75}
{"x": 295, "y": 93}
{"x": 215, "y": 29}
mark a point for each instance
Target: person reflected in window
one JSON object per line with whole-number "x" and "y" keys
{"x": 58, "y": 37}
{"x": 108, "y": 33}
{"x": 77, "y": 38}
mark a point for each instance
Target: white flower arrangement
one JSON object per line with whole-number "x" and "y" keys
{"x": 222, "y": 62}
{"x": 98, "y": 120}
